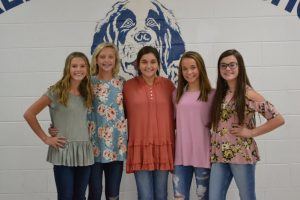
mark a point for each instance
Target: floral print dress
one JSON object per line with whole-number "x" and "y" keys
{"x": 107, "y": 123}
{"x": 228, "y": 148}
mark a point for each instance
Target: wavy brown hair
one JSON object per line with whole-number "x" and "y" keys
{"x": 222, "y": 87}
{"x": 62, "y": 87}
{"x": 204, "y": 83}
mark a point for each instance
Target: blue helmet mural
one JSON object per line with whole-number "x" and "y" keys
{"x": 132, "y": 24}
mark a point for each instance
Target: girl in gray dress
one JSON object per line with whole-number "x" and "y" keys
{"x": 70, "y": 151}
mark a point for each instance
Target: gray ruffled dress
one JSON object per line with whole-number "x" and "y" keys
{"x": 71, "y": 121}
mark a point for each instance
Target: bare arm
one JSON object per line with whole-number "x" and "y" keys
{"x": 266, "y": 127}
{"x": 30, "y": 117}
{"x": 260, "y": 130}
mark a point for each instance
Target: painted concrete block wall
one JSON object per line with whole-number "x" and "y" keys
{"x": 37, "y": 35}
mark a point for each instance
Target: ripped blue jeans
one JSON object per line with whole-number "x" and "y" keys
{"x": 182, "y": 179}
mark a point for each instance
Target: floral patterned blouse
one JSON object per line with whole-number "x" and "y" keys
{"x": 228, "y": 148}
{"x": 107, "y": 123}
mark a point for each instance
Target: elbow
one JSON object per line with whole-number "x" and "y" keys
{"x": 281, "y": 120}
{"x": 26, "y": 115}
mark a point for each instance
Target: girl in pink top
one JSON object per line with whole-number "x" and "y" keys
{"x": 234, "y": 152}
{"x": 192, "y": 101}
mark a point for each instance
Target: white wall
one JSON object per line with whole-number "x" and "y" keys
{"x": 35, "y": 38}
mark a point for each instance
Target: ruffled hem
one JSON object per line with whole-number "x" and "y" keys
{"x": 217, "y": 157}
{"x": 73, "y": 155}
{"x": 235, "y": 162}
{"x": 150, "y": 157}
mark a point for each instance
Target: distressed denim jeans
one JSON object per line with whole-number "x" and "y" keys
{"x": 221, "y": 177}
{"x": 182, "y": 179}
{"x": 152, "y": 185}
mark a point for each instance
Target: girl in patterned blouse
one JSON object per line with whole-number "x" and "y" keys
{"x": 234, "y": 152}
{"x": 107, "y": 123}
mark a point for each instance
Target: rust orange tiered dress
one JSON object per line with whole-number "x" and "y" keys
{"x": 150, "y": 118}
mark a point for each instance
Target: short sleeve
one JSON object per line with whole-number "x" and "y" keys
{"x": 52, "y": 97}
{"x": 266, "y": 109}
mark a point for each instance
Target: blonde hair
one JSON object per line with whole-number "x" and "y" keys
{"x": 98, "y": 49}
{"x": 62, "y": 87}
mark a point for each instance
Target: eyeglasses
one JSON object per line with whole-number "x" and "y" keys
{"x": 231, "y": 65}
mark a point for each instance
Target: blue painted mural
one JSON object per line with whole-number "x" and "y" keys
{"x": 289, "y": 6}
{"x": 132, "y": 24}
{"x": 9, "y": 4}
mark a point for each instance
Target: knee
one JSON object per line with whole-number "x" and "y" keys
{"x": 113, "y": 198}
{"x": 176, "y": 185}
{"x": 178, "y": 197}
{"x": 94, "y": 194}
{"x": 175, "y": 180}
{"x": 202, "y": 192}
{"x": 202, "y": 188}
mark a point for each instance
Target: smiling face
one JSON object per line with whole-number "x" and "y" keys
{"x": 148, "y": 66}
{"x": 78, "y": 69}
{"x": 229, "y": 69}
{"x": 106, "y": 60}
{"x": 190, "y": 71}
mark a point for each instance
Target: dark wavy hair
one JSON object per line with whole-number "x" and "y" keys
{"x": 145, "y": 50}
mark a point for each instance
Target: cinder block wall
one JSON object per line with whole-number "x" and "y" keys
{"x": 36, "y": 36}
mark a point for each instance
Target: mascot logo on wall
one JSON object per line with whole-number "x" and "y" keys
{"x": 132, "y": 24}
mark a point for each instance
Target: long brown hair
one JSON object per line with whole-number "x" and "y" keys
{"x": 63, "y": 86}
{"x": 204, "y": 83}
{"x": 222, "y": 87}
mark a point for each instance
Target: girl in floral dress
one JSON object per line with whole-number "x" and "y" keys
{"x": 234, "y": 152}
{"x": 107, "y": 125}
